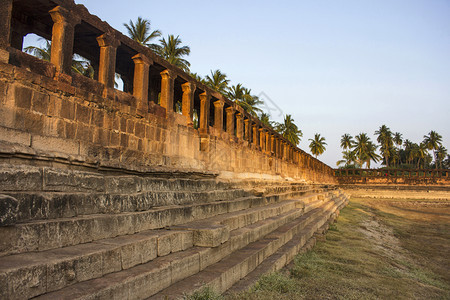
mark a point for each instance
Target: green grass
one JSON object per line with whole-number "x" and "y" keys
{"x": 408, "y": 259}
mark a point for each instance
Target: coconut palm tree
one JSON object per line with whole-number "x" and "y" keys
{"x": 218, "y": 81}
{"x": 141, "y": 32}
{"x": 348, "y": 159}
{"x": 365, "y": 150}
{"x": 43, "y": 53}
{"x": 398, "y": 140}
{"x": 265, "y": 119}
{"x": 441, "y": 154}
{"x": 347, "y": 141}
{"x": 317, "y": 145}
{"x": 79, "y": 64}
{"x": 172, "y": 51}
{"x": 433, "y": 141}
{"x": 198, "y": 77}
{"x": 243, "y": 97}
{"x": 385, "y": 140}
{"x": 289, "y": 130}
{"x": 421, "y": 153}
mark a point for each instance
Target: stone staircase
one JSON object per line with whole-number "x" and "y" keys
{"x": 92, "y": 235}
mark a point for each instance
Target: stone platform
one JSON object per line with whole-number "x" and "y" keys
{"x": 85, "y": 235}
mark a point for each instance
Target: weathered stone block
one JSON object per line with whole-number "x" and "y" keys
{"x": 211, "y": 236}
{"x": 83, "y": 113}
{"x": 8, "y": 210}
{"x": 54, "y": 108}
{"x": 114, "y": 139}
{"x": 82, "y": 132}
{"x": 22, "y": 96}
{"x": 20, "y": 178}
{"x": 3, "y": 88}
{"x": 97, "y": 118}
{"x": 40, "y": 102}
{"x": 67, "y": 109}
{"x": 15, "y": 136}
{"x": 124, "y": 140}
{"x": 123, "y": 124}
{"x": 51, "y": 143}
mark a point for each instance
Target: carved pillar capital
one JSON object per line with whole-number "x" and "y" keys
{"x": 187, "y": 101}
{"x": 141, "y": 80}
{"x": 167, "y": 86}
{"x": 61, "y": 15}
{"x": 62, "y": 39}
{"x": 205, "y": 99}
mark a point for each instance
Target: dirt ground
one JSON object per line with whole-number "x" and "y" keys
{"x": 378, "y": 249}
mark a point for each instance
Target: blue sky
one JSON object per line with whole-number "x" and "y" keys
{"x": 336, "y": 66}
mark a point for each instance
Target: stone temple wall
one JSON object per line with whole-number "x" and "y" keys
{"x": 163, "y": 118}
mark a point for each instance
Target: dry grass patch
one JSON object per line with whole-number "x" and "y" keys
{"x": 377, "y": 250}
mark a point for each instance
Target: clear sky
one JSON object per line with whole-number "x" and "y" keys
{"x": 336, "y": 66}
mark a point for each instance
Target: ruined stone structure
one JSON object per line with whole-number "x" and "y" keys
{"x": 114, "y": 194}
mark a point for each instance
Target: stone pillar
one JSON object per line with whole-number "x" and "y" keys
{"x": 247, "y": 129}
{"x": 230, "y": 120}
{"x": 285, "y": 151}
{"x": 62, "y": 38}
{"x": 187, "y": 102}
{"x": 262, "y": 137}
{"x": 5, "y": 23}
{"x": 268, "y": 142}
{"x": 273, "y": 144}
{"x": 218, "y": 115}
{"x": 255, "y": 135}
{"x": 107, "y": 64}
{"x": 204, "y": 113}
{"x": 240, "y": 125}
{"x": 140, "y": 80}
{"x": 167, "y": 83}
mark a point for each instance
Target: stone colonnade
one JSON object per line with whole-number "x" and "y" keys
{"x": 147, "y": 77}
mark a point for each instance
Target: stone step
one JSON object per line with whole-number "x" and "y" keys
{"x": 222, "y": 275}
{"x": 48, "y": 234}
{"x": 284, "y": 255}
{"x": 39, "y": 206}
{"x": 166, "y": 270}
{"x": 214, "y": 231}
{"x": 25, "y": 178}
{"x": 31, "y": 274}
{"x": 62, "y": 232}
{"x": 62, "y": 266}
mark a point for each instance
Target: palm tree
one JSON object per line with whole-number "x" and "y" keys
{"x": 398, "y": 140}
{"x": 172, "y": 51}
{"x": 347, "y": 141}
{"x": 79, "y": 64}
{"x": 385, "y": 140}
{"x": 265, "y": 119}
{"x": 365, "y": 150}
{"x": 289, "y": 130}
{"x": 243, "y": 97}
{"x": 348, "y": 159}
{"x": 317, "y": 145}
{"x": 421, "y": 153}
{"x": 441, "y": 153}
{"x": 198, "y": 77}
{"x": 371, "y": 154}
{"x": 218, "y": 81}
{"x": 43, "y": 53}
{"x": 433, "y": 141}
{"x": 141, "y": 32}
{"x": 236, "y": 92}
